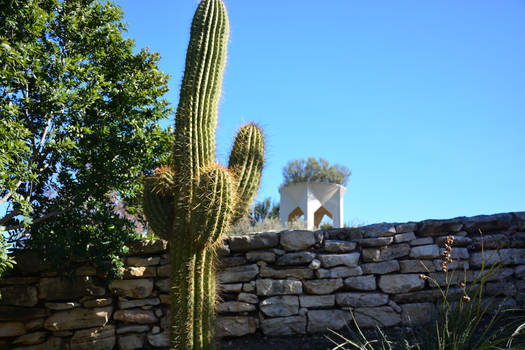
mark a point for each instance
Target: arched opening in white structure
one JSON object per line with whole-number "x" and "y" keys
{"x": 320, "y": 214}
{"x": 296, "y": 214}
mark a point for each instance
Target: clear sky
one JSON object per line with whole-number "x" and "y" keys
{"x": 423, "y": 101}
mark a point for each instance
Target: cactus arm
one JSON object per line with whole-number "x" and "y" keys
{"x": 214, "y": 208}
{"x": 246, "y": 163}
{"x": 158, "y": 202}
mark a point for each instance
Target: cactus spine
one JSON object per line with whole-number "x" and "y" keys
{"x": 192, "y": 202}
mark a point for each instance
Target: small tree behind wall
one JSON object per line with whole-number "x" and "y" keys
{"x": 315, "y": 170}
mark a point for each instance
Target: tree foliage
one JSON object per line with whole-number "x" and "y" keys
{"x": 315, "y": 170}
{"x": 264, "y": 209}
{"x": 79, "y": 114}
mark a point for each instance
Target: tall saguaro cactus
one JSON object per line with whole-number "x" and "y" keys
{"x": 192, "y": 201}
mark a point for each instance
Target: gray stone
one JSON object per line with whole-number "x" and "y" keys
{"x": 11, "y": 329}
{"x": 248, "y": 287}
{"x": 284, "y": 325}
{"x": 496, "y": 241}
{"x": 323, "y": 286}
{"x": 18, "y": 295}
{"x": 394, "y": 306}
{"x": 62, "y": 306}
{"x": 51, "y": 343}
{"x": 230, "y": 288}
{"x": 406, "y": 227}
{"x": 518, "y": 239}
{"x": 99, "y": 302}
{"x": 132, "y": 328}
{"x": 390, "y": 252}
{"x": 498, "y": 275}
{"x": 297, "y": 273}
{"x": 128, "y": 304}
{"x": 235, "y": 326}
{"x": 163, "y": 285}
{"x": 404, "y": 237}
{"x": 238, "y": 273}
{"x": 322, "y": 320}
{"x": 425, "y": 252}
{"x": 361, "y": 299}
{"x": 380, "y": 268}
{"x": 338, "y": 246}
{"x": 331, "y": 260}
{"x": 427, "y": 296}
{"x": 269, "y": 287}
{"x": 340, "y": 271}
{"x": 408, "y": 266}
{"x": 361, "y": 283}
{"x": 164, "y": 270}
{"x": 257, "y": 241}
{"x": 16, "y": 313}
{"x": 376, "y": 242}
{"x": 313, "y": 301}
{"x": 248, "y": 298}
{"x": 299, "y": 258}
{"x": 519, "y": 271}
{"x": 231, "y": 261}
{"x": 505, "y": 256}
{"x": 382, "y": 316}
{"x": 137, "y": 288}
{"x": 297, "y": 240}
{"x": 453, "y": 265}
{"x": 223, "y": 249}
{"x": 285, "y": 305}
{"x": 400, "y": 283}
{"x": 131, "y": 341}
{"x": 159, "y": 340}
{"x": 137, "y": 316}
{"x": 507, "y": 289}
{"x": 78, "y": 318}
{"x": 422, "y": 241}
{"x": 31, "y": 338}
{"x": 438, "y": 227}
{"x": 94, "y": 339}
{"x": 378, "y": 230}
{"x": 234, "y": 306}
{"x": 488, "y": 223}
{"x": 56, "y": 288}
{"x": 140, "y": 261}
{"x": 417, "y": 313}
{"x": 459, "y": 241}
{"x": 457, "y": 253}
{"x": 261, "y": 256}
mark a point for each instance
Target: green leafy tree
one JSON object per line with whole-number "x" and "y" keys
{"x": 314, "y": 170}
{"x": 264, "y": 209}
{"x": 79, "y": 112}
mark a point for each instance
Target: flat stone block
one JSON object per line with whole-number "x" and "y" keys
{"x": 400, "y": 283}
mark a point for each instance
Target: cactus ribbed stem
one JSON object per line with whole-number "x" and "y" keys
{"x": 194, "y": 202}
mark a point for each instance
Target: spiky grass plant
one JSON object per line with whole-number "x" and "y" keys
{"x": 473, "y": 322}
{"x": 193, "y": 201}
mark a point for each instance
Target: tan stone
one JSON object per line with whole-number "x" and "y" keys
{"x": 139, "y": 272}
{"x": 78, "y": 318}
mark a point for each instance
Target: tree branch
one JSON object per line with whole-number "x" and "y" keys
{"x": 42, "y": 218}
{"x": 10, "y": 193}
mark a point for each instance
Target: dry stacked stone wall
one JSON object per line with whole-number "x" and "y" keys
{"x": 272, "y": 284}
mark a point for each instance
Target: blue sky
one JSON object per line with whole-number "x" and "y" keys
{"x": 423, "y": 101}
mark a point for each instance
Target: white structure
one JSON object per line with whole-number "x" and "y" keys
{"x": 313, "y": 200}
